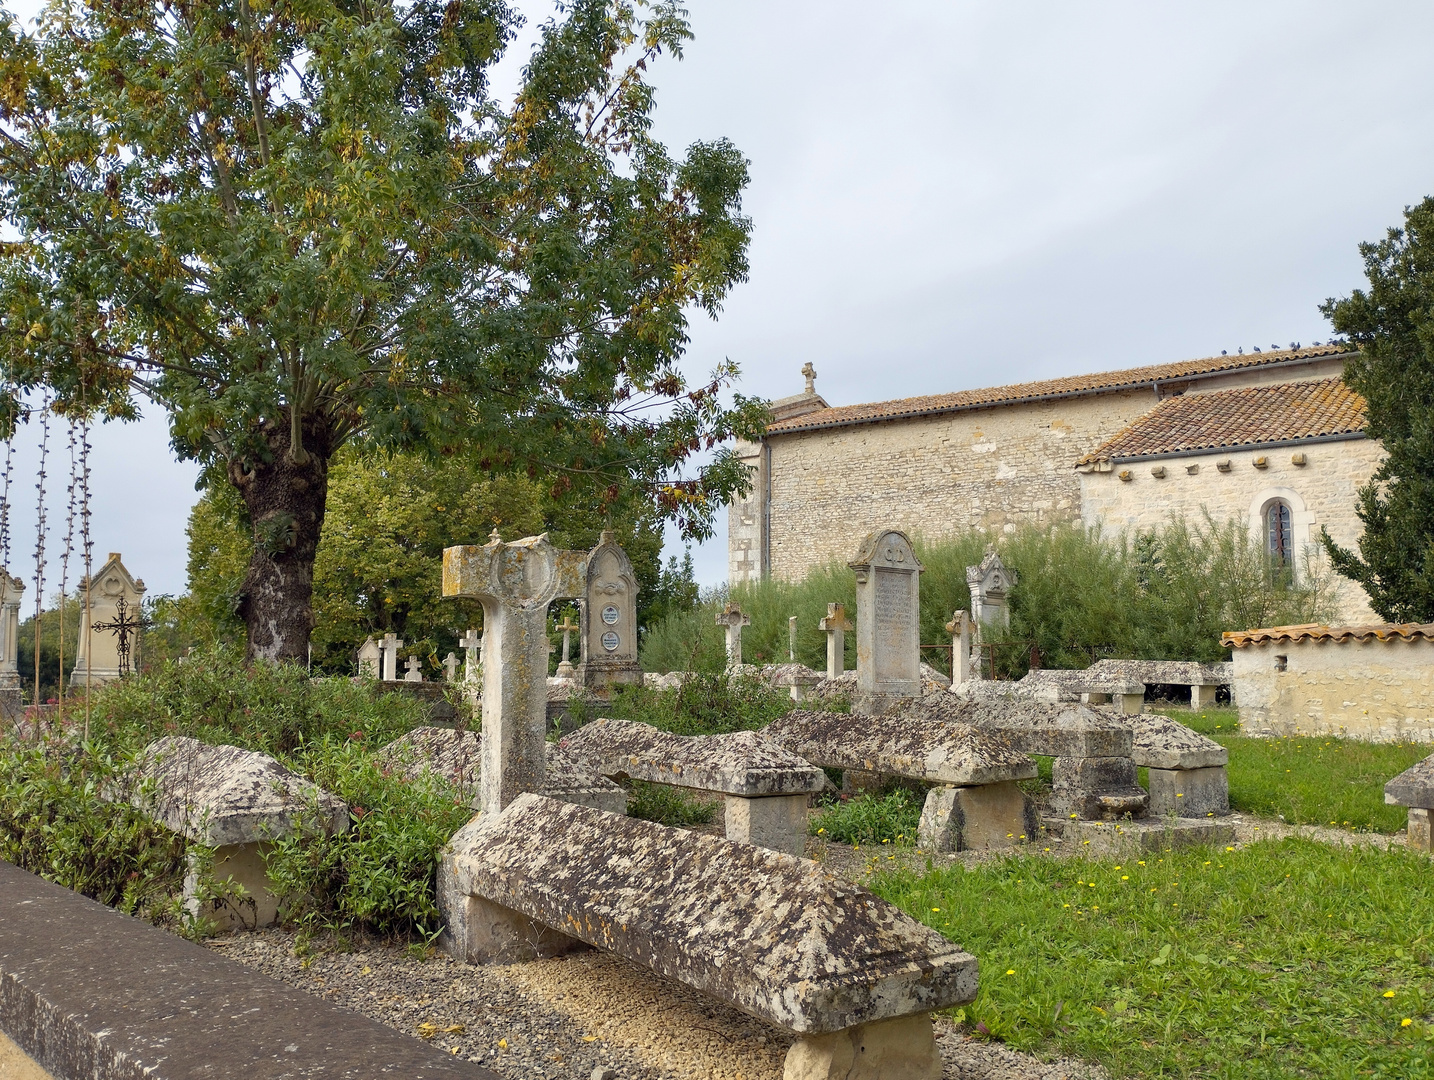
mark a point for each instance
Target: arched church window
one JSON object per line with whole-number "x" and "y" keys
{"x": 1279, "y": 533}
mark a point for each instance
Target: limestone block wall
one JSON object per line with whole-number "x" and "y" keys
{"x": 1378, "y": 691}
{"x": 1321, "y": 492}
{"x": 983, "y": 468}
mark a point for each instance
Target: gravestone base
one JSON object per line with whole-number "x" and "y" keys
{"x": 1097, "y": 788}
{"x": 478, "y": 931}
{"x": 1202, "y": 697}
{"x": 1420, "y": 829}
{"x": 243, "y": 864}
{"x": 1191, "y": 793}
{"x": 777, "y": 822}
{"x": 1103, "y": 838}
{"x": 974, "y": 818}
{"x": 880, "y": 702}
{"x": 899, "y": 1049}
{"x": 599, "y": 678}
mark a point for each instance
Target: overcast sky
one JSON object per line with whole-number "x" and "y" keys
{"x": 950, "y": 195}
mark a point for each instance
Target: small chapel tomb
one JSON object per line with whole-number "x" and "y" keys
{"x": 111, "y": 621}
{"x": 237, "y": 802}
{"x": 609, "y": 621}
{"x": 765, "y": 789}
{"x": 776, "y": 936}
{"x": 1414, "y": 788}
{"x": 888, "y": 611}
{"x": 975, "y": 804}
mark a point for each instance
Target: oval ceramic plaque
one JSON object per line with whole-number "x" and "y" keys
{"x": 610, "y": 640}
{"x": 609, "y": 616}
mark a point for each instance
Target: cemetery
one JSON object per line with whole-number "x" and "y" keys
{"x": 1014, "y": 747}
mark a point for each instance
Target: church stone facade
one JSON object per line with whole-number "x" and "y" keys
{"x": 1073, "y": 449}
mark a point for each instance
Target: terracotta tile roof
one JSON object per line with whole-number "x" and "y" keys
{"x": 1102, "y": 382}
{"x": 1243, "y": 416}
{"x": 1238, "y": 639}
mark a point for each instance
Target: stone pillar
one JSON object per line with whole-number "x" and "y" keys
{"x": 1202, "y": 697}
{"x": 12, "y": 590}
{"x": 733, "y": 620}
{"x": 391, "y": 644}
{"x": 836, "y": 625}
{"x": 960, "y": 630}
{"x": 515, "y": 583}
{"x": 791, "y": 639}
{"x": 888, "y": 640}
{"x": 608, "y": 618}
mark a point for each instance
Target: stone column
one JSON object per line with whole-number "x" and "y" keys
{"x": 515, "y": 583}
{"x": 733, "y": 620}
{"x": 791, "y": 639}
{"x": 836, "y": 625}
{"x": 960, "y": 630}
{"x": 888, "y": 640}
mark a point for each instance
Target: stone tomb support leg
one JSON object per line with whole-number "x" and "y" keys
{"x": 776, "y": 822}
{"x": 973, "y": 818}
{"x": 1419, "y": 829}
{"x": 900, "y": 1049}
{"x": 1202, "y": 697}
{"x": 1192, "y": 793}
{"x": 243, "y": 865}
{"x": 1131, "y": 703}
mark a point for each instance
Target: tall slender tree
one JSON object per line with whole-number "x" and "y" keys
{"x": 1393, "y": 325}
{"x": 297, "y": 224}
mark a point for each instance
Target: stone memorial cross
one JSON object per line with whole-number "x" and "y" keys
{"x": 888, "y": 641}
{"x": 515, "y": 583}
{"x": 565, "y": 667}
{"x": 470, "y": 643}
{"x": 391, "y": 644}
{"x": 836, "y": 624}
{"x": 960, "y": 630}
{"x": 733, "y": 620}
{"x": 450, "y": 667}
{"x": 412, "y": 671}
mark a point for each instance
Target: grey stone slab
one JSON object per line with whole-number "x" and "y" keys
{"x": 1413, "y": 787}
{"x": 1159, "y": 742}
{"x": 944, "y": 753}
{"x": 1192, "y": 793}
{"x": 1133, "y": 837}
{"x": 1033, "y": 727}
{"x": 774, "y": 935}
{"x": 1164, "y": 672}
{"x": 90, "y": 993}
{"x": 743, "y": 763}
{"x": 219, "y": 795}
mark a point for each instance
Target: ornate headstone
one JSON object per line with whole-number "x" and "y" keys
{"x": 888, "y": 641}
{"x": 990, "y": 583}
{"x": 391, "y": 643}
{"x": 515, "y": 583}
{"x": 370, "y": 659}
{"x": 98, "y": 655}
{"x": 836, "y": 624}
{"x": 732, "y": 619}
{"x": 960, "y": 630}
{"x": 609, "y": 620}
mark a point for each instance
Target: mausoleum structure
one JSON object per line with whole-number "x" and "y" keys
{"x": 1373, "y": 682}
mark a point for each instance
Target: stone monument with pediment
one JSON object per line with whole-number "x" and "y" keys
{"x": 888, "y": 639}
{"x": 990, "y": 583}
{"x": 115, "y": 596}
{"x": 609, "y": 621}
{"x": 12, "y": 592}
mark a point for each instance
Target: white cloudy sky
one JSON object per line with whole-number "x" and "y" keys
{"x": 951, "y": 195}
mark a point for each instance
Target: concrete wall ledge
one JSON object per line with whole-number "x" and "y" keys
{"x": 92, "y": 994}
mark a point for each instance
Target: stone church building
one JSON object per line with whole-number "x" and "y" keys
{"x": 1274, "y": 439}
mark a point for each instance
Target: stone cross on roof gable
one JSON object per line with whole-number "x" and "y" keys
{"x": 811, "y": 375}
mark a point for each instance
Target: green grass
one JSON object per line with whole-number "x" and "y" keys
{"x": 891, "y": 817}
{"x": 1309, "y": 780}
{"x": 1279, "y": 960}
{"x": 667, "y": 805}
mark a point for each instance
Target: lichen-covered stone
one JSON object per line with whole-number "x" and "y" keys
{"x": 1164, "y": 672}
{"x": 1033, "y": 727}
{"x": 220, "y": 795}
{"x": 1158, "y": 742}
{"x": 774, "y": 935}
{"x": 743, "y": 763}
{"x": 1191, "y": 793}
{"x": 1097, "y": 788}
{"x": 1413, "y": 787}
{"x": 940, "y": 753}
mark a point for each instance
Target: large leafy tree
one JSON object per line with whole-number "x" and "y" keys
{"x": 1393, "y": 325}
{"x": 298, "y": 224}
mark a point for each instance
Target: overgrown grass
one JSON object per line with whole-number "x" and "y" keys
{"x": 667, "y": 805}
{"x": 891, "y": 817}
{"x": 1280, "y": 960}
{"x": 707, "y": 704}
{"x": 1081, "y": 596}
{"x": 1307, "y": 780}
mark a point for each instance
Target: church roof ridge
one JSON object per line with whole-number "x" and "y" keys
{"x": 1067, "y": 386}
{"x": 1239, "y": 416}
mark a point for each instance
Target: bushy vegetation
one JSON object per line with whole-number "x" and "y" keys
{"x": 1285, "y": 959}
{"x": 706, "y": 704}
{"x": 875, "y": 818}
{"x": 1081, "y": 596}
{"x": 667, "y": 805}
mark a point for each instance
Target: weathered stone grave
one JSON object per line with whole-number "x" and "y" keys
{"x": 776, "y": 936}
{"x": 835, "y": 626}
{"x": 731, "y": 619}
{"x": 764, "y": 788}
{"x": 1186, "y": 771}
{"x": 370, "y": 659}
{"x": 609, "y": 620}
{"x": 102, "y": 656}
{"x": 236, "y": 801}
{"x": 515, "y": 583}
{"x": 888, "y": 640}
{"x": 990, "y": 584}
{"x": 1414, "y": 788}
{"x": 1204, "y": 680}
{"x": 975, "y": 804}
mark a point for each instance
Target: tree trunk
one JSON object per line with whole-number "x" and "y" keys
{"x": 286, "y": 506}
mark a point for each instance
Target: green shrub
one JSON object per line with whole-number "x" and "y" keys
{"x": 871, "y": 818}
{"x": 704, "y": 705}
{"x": 667, "y": 805}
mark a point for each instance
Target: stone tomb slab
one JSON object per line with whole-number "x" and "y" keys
{"x": 237, "y": 802}
{"x": 89, "y": 992}
{"x": 774, "y": 935}
{"x": 1414, "y": 788}
{"x": 1102, "y": 838}
{"x": 765, "y": 788}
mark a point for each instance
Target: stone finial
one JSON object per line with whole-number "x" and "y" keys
{"x": 493, "y": 537}
{"x": 811, "y": 377}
